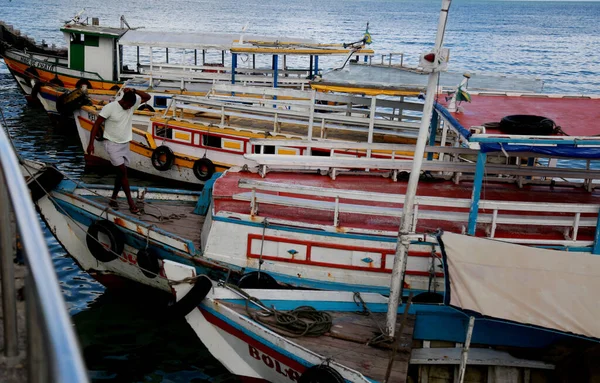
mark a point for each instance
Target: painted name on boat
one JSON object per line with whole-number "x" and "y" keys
{"x": 39, "y": 64}
{"x": 274, "y": 364}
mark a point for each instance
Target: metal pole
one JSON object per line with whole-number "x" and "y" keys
{"x": 68, "y": 366}
{"x": 464, "y": 355}
{"x": 403, "y": 242}
{"x": 37, "y": 362}
{"x": 9, "y": 301}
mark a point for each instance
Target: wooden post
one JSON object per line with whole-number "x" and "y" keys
{"x": 477, "y": 182}
{"x": 465, "y": 351}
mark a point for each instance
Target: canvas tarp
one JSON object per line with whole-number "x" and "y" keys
{"x": 547, "y": 288}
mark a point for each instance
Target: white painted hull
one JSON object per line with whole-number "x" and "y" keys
{"x": 72, "y": 237}
{"x": 324, "y": 259}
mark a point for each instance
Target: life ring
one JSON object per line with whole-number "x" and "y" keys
{"x": 203, "y": 169}
{"x": 523, "y": 124}
{"x": 83, "y": 82}
{"x": 148, "y": 261}
{"x": 115, "y": 236}
{"x": 253, "y": 281}
{"x": 321, "y": 374}
{"x": 192, "y": 299}
{"x": 158, "y": 163}
{"x": 146, "y": 107}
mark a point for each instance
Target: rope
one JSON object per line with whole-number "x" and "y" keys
{"x": 382, "y": 337}
{"x": 301, "y": 321}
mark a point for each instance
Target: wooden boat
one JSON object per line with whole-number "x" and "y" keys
{"x": 174, "y": 62}
{"x": 281, "y": 339}
{"x": 196, "y": 137}
{"x": 495, "y": 323}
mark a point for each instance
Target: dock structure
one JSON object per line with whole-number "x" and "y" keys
{"x": 38, "y": 342}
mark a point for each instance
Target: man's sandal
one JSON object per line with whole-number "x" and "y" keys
{"x": 113, "y": 204}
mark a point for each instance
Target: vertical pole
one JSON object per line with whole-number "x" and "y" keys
{"x": 311, "y": 119}
{"x": 167, "y": 54}
{"x": 253, "y": 61}
{"x": 310, "y": 67}
{"x": 596, "y": 247}
{"x": 365, "y": 59}
{"x": 400, "y": 258}
{"x": 151, "y": 63}
{"x": 223, "y": 58}
{"x": 37, "y": 358}
{"x": 9, "y": 301}
{"x": 195, "y": 57}
{"x": 477, "y": 182}
{"x": 432, "y": 132}
{"x": 233, "y": 66}
{"x": 464, "y": 355}
{"x": 275, "y": 69}
{"x": 138, "y": 57}
{"x": 316, "y": 65}
{"x": 203, "y": 57}
{"x": 371, "y": 124}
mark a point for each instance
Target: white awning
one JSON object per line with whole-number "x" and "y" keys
{"x": 194, "y": 40}
{"x": 547, "y": 288}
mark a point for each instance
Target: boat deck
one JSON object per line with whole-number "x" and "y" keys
{"x": 346, "y": 343}
{"x": 576, "y": 116}
{"x": 174, "y": 217}
{"x": 447, "y": 207}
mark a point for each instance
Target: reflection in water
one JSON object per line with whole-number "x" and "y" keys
{"x": 130, "y": 340}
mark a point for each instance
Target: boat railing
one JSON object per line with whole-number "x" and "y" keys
{"x": 571, "y": 217}
{"x": 53, "y": 352}
{"x": 51, "y": 66}
{"x": 340, "y": 116}
{"x": 391, "y": 159}
{"x": 387, "y": 59}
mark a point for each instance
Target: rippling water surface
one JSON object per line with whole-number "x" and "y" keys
{"x": 123, "y": 340}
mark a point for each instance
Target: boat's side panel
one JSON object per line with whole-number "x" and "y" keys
{"x": 315, "y": 258}
{"x": 142, "y": 147}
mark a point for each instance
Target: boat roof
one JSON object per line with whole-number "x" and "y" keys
{"x": 198, "y": 40}
{"x": 577, "y": 115}
{"x": 406, "y": 81}
{"x": 94, "y": 30}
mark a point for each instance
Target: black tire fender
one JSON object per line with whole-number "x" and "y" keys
{"x": 83, "y": 82}
{"x": 256, "y": 280}
{"x": 57, "y": 81}
{"x": 146, "y": 107}
{"x": 115, "y": 235}
{"x": 524, "y": 124}
{"x": 192, "y": 299}
{"x": 169, "y": 158}
{"x": 148, "y": 261}
{"x": 33, "y": 75}
{"x": 203, "y": 169}
{"x": 321, "y": 374}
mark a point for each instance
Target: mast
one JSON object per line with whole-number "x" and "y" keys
{"x": 406, "y": 228}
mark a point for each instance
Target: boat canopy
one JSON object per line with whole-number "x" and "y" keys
{"x": 532, "y": 286}
{"x": 405, "y": 81}
{"x": 195, "y": 40}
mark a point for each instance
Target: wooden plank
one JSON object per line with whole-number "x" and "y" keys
{"x": 477, "y": 356}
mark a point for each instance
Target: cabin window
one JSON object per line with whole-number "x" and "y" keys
{"x": 160, "y": 101}
{"x": 212, "y": 141}
{"x": 91, "y": 41}
{"x": 163, "y": 132}
{"x": 76, "y": 38}
{"x": 321, "y": 153}
{"x": 269, "y": 149}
